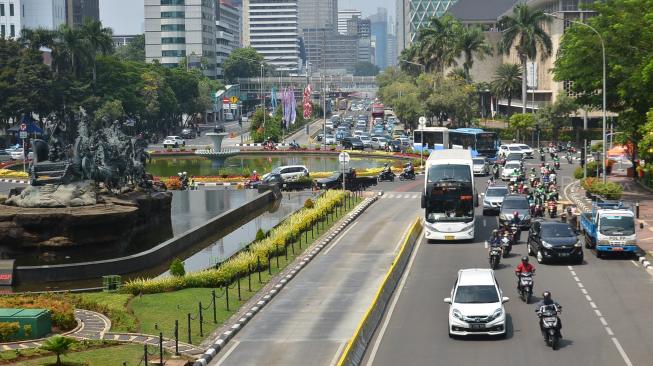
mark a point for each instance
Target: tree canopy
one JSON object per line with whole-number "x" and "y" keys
{"x": 242, "y": 63}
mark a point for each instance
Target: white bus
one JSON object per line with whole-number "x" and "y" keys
{"x": 449, "y": 196}
{"x": 435, "y": 138}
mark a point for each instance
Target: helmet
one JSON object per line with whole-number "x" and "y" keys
{"x": 516, "y": 213}
{"x": 546, "y": 295}
{"x": 495, "y": 232}
{"x": 524, "y": 259}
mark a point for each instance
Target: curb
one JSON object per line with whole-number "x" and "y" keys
{"x": 259, "y": 145}
{"x": 224, "y": 338}
{"x": 14, "y": 181}
{"x": 216, "y": 184}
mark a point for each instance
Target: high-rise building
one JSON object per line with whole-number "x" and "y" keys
{"x": 414, "y": 14}
{"x": 227, "y": 21}
{"x": 271, "y": 27}
{"x": 16, "y": 15}
{"x": 178, "y": 29}
{"x": 316, "y": 14}
{"x": 379, "y": 29}
{"x": 344, "y": 16}
{"x": 78, "y": 10}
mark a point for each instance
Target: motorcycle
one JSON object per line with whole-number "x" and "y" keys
{"x": 552, "y": 208}
{"x": 569, "y": 158}
{"x": 506, "y": 245}
{"x": 495, "y": 256}
{"x": 537, "y": 211}
{"x": 294, "y": 146}
{"x": 270, "y": 146}
{"x": 556, "y": 163}
{"x": 511, "y": 187}
{"x": 550, "y": 324}
{"x": 407, "y": 175}
{"x": 184, "y": 181}
{"x": 533, "y": 181}
{"x": 495, "y": 171}
{"x": 387, "y": 175}
{"x": 516, "y": 233}
{"x": 526, "y": 286}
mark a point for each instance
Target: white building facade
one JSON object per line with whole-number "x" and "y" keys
{"x": 344, "y": 15}
{"x": 16, "y": 15}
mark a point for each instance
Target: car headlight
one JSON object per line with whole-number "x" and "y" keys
{"x": 546, "y": 245}
{"x": 497, "y": 313}
{"x": 577, "y": 244}
{"x": 457, "y": 314}
{"x": 631, "y": 242}
{"x": 603, "y": 242}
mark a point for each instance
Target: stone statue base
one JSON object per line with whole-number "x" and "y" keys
{"x": 75, "y": 194}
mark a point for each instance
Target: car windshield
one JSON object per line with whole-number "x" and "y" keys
{"x": 514, "y": 148}
{"x": 513, "y": 166}
{"x": 481, "y": 294}
{"x": 557, "y": 231}
{"x": 497, "y": 192}
{"x": 516, "y": 204}
{"x": 617, "y": 225}
{"x": 524, "y": 147}
{"x": 478, "y": 161}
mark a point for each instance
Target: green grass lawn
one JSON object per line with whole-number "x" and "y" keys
{"x": 158, "y": 312}
{"x": 122, "y": 320}
{"x": 108, "y": 356}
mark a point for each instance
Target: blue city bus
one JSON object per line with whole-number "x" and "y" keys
{"x": 475, "y": 139}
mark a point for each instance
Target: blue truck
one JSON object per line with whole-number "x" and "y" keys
{"x": 609, "y": 228}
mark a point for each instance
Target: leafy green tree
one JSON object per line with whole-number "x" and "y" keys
{"x": 472, "y": 43}
{"x": 524, "y": 30}
{"x": 391, "y": 75}
{"x": 365, "y": 69}
{"x": 557, "y": 115}
{"x": 58, "y": 345}
{"x": 520, "y": 122}
{"x": 507, "y": 82}
{"x": 134, "y": 50}
{"x": 71, "y": 49}
{"x": 177, "y": 268}
{"x": 645, "y": 145}
{"x": 438, "y": 43}
{"x": 110, "y": 111}
{"x": 447, "y": 98}
{"x": 242, "y": 63}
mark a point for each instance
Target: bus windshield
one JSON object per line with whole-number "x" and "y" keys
{"x": 485, "y": 141}
{"x": 450, "y": 172}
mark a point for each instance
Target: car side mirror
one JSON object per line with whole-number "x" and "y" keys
{"x": 641, "y": 225}
{"x": 447, "y": 300}
{"x": 505, "y": 300}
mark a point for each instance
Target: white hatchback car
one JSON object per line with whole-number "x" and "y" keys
{"x": 476, "y": 304}
{"x": 173, "y": 141}
{"x": 289, "y": 173}
{"x": 509, "y": 168}
{"x": 526, "y": 150}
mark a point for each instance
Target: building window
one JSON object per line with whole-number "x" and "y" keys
{"x": 11, "y": 10}
{"x": 12, "y": 31}
{"x": 172, "y": 27}
{"x": 2, "y": 10}
{"x": 3, "y": 30}
{"x": 173, "y": 53}
{"x": 173, "y": 40}
{"x": 172, "y": 2}
{"x": 172, "y": 14}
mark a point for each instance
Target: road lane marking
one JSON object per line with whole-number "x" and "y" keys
{"x": 588, "y": 297}
{"x": 576, "y": 279}
{"x": 573, "y": 273}
{"x": 226, "y": 355}
{"x": 592, "y": 304}
{"x": 396, "y": 297}
{"x": 603, "y": 321}
{"x": 335, "y": 358}
{"x": 580, "y": 284}
{"x": 328, "y": 249}
{"x": 634, "y": 263}
{"x": 609, "y": 330}
{"x": 598, "y": 313}
{"x": 621, "y": 351}
{"x": 583, "y": 291}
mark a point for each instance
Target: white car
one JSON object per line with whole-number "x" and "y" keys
{"x": 18, "y": 154}
{"x": 330, "y": 140}
{"x": 329, "y": 124}
{"x": 509, "y": 168}
{"x": 367, "y": 141}
{"x": 173, "y": 141}
{"x": 526, "y": 150}
{"x": 379, "y": 143}
{"x": 289, "y": 173}
{"x": 476, "y": 304}
{"x": 509, "y": 148}
{"x": 480, "y": 166}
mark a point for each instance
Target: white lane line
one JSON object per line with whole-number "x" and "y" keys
{"x": 634, "y": 263}
{"x": 598, "y": 313}
{"x": 391, "y": 309}
{"x": 609, "y": 330}
{"x": 576, "y": 279}
{"x": 603, "y": 321}
{"x": 570, "y": 268}
{"x": 484, "y": 224}
{"x": 592, "y": 304}
{"x": 580, "y": 284}
{"x": 226, "y": 355}
{"x": 583, "y": 291}
{"x": 573, "y": 273}
{"x": 328, "y": 249}
{"x": 485, "y": 244}
{"x": 621, "y": 351}
{"x": 588, "y": 297}
{"x": 335, "y": 358}
{"x": 415, "y": 196}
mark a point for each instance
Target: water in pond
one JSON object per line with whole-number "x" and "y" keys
{"x": 244, "y": 164}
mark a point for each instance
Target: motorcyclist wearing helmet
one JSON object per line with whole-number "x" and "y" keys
{"x": 548, "y": 300}
{"x": 523, "y": 267}
{"x": 387, "y": 168}
{"x": 495, "y": 239}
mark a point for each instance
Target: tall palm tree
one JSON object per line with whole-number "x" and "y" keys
{"x": 37, "y": 38}
{"x": 72, "y": 47}
{"x": 98, "y": 40}
{"x": 472, "y": 42}
{"x": 525, "y": 31}
{"x": 507, "y": 81}
{"x": 438, "y": 43}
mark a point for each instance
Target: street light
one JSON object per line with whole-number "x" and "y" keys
{"x": 414, "y": 63}
{"x": 604, "y": 81}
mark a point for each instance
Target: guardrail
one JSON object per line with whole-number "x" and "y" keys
{"x": 355, "y": 350}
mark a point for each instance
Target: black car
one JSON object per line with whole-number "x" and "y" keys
{"x": 549, "y": 240}
{"x": 352, "y": 143}
{"x": 334, "y": 180}
{"x": 188, "y": 133}
{"x": 395, "y": 145}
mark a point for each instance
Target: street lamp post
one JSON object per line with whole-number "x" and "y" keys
{"x": 415, "y": 63}
{"x": 604, "y": 83}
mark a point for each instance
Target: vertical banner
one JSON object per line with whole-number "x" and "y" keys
{"x": 293, "y": 106}
{"x": 306, "y": 102}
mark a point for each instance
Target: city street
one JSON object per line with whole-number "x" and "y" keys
{"x": 606, "y": 309}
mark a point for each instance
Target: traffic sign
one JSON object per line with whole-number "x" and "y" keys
{"x": 234, "y": 106}
{"x": 234, "y": 99}
{"x": 225, "y": 100}
{"x": 22, "y": 134}
{"x": 422, "y": 121}
{"x": 343, "y": 158}
{"x": 23, "y": 127}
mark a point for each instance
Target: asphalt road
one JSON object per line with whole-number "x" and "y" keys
{"x": 606, "y": 310}
{"x": 312, "y": 318}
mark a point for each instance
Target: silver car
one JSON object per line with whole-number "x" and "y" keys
{"x": 493, "y": 198}
{"x": 480, "y": 166}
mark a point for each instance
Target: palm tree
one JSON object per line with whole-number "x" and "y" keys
{"x": 37, "y": 38}
{"x": 438, "y": 43}
{"x": 507, "y": 81}
{"x": 98, "y": 39}
{"x": 58, "y": 345}
{"x": 472, "y": 42}
{"x": 524, "y": 30}
{"x": 72, "y": 47}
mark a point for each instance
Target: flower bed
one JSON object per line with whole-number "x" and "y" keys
{"x": 247, "y": 260}
{"x": 62, "y": 311}
{"x": 595, "y": 186}
{"x": 8, "y": 173}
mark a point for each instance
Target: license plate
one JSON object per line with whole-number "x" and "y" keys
{"x": 449, "y": 237}
{"x": 617, "y": 249}
{"x": 563, "y": 254}
{"x": 478, "y": 326}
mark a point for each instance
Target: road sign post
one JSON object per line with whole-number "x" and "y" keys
{"x": 343, "y": 158}
{"x": 422, "y": 124}
{"x": 23, "y": 135}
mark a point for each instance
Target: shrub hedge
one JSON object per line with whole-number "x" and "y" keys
{"x": 245, "y": 261}
{"x": 62, "y": 311}
{"x": 609, "y": 190}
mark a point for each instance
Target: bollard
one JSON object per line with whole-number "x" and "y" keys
{"x": 161, "y": 347}
{"x": 239, "y": 298}
{"x": 249, "y": 278}
{"x": 145, "y": 353}
{"x": 176, "y": 337}
{"x": 637, "y": 210}
{"x": 226, "y": 295}
{"x": 258, "y": 268}
{"x": 215, "y": 317}
{"x": 201, "y": 319}
{"x": 190, "y": 340}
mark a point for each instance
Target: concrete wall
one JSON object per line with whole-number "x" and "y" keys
{"x": 143, "y": 260}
